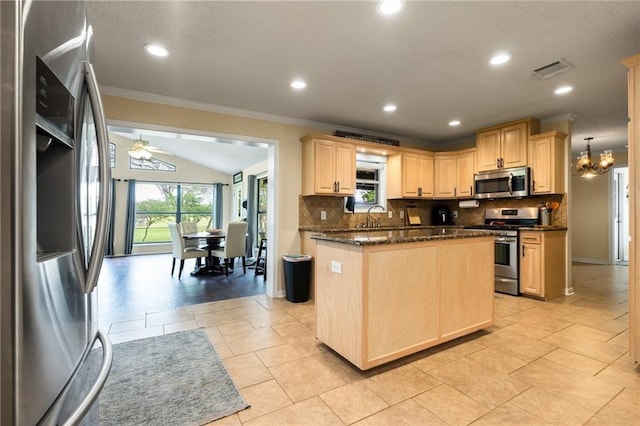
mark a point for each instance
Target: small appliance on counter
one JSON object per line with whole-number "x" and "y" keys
{"x": 441, "y": 215}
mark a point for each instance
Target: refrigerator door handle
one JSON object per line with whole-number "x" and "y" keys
{"x": 83, "y": 408}
{"x": 98, "y": 249}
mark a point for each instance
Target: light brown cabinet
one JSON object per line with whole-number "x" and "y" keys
{"x": 454, "y": 174}
{"x": 410, "y": 175}
{"x": 377, "y": 303}
{"x": 546, "y": 159}
{"x": 328, "y": 167}
{"x": 633, "y": 89}
{"x": 504, "y": 146}
{"x": 542, "y": 263}
{"x": 446, "y": 176}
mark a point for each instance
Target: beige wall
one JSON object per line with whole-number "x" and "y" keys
{"x": 285, "y": 150}
{"x": 186, "y": 172}
{"x": 592, "y": 215}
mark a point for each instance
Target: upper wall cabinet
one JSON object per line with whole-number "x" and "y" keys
{"x": 505, "y": 146}
{"x": 328, "y": 167}
{"x": 454, "y": 174}
{"x": 546, "y": 159}
{"x": 410, "y": 175}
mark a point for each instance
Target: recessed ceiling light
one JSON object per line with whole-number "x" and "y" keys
{"x": 454, "y": 123}
{"x": 562, "y": 90}
{"x": 298, "y": 84}
{"x": 500, "y": 58}
{"x": 389, "y": 108}
{"x": 389, "y": 7}
{"x": 156, "y": 50}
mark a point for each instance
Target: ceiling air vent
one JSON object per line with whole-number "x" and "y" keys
{"x": 549, "y": 70}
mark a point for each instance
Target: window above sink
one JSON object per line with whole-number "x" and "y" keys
{"x": 371, "y": 183}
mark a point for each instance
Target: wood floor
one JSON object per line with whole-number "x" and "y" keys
{"x": 134, "y": 285}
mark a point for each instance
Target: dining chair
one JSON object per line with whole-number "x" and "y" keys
{"x": 190, "y": 228}
{"x": 235, "y": 241}
{"x": 180, "y": 249}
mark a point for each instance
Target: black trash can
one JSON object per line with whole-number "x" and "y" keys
{"x": 297, "y": 275}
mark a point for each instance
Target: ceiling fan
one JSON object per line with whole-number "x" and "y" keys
{"x": 141, "y": 150}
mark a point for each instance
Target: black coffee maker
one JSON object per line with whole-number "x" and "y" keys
{"x": 441, "y": 215}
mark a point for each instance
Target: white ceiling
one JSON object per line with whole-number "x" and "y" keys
{"x": 430, "y": 60}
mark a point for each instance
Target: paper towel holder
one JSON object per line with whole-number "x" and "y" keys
{"x": 469, "y": 204}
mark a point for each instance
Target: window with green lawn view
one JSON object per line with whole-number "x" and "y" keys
{"x": 159, "y": 203}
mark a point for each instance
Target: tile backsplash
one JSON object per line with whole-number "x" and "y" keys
{"x": 310, "y": 209}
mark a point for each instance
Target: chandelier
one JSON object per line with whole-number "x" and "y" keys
{"x": 588, "y": 169}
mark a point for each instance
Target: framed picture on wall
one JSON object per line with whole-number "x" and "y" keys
{"x": 237, "y": 178}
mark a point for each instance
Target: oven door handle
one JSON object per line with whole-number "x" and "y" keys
{"x": 506, "y": 240}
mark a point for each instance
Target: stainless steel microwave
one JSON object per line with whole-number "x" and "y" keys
{"x": 503, "y": 183}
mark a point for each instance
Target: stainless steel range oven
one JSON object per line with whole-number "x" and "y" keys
{"x": 506, "y": 222}
{"x": 506, "y": 262}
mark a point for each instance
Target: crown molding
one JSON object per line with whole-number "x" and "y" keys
{"x": 219, "y": 109}
{"x": 569, "y": 116}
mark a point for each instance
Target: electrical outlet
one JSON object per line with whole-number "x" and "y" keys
{"x": 390, "y": 214}
{"x": 323, "y": 215}
{"x": 401, "y": 214}
{"x": 336, "y": 267}
{"x": 455, "y": 214}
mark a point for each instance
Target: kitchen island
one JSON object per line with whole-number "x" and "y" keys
{"x": 382, "y": 295}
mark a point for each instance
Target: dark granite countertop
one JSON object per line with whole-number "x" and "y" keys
{"x": 394, "y": 236}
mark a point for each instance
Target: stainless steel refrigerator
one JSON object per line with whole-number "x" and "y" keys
{"x": 54, "y": 181}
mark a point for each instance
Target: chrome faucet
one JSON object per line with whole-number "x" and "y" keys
{"x": 369, "y": 223}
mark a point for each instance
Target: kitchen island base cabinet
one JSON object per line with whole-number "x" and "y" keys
{"x": 378, "y": 303}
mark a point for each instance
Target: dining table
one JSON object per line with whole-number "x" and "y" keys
{"x": 214, "y": 238}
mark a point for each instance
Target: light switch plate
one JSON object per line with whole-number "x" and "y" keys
{"x": 390, "y": 214}
{"x": 336, "y": 267}
{"x": 401, "y": 214}
{"x": 323, "y": 215}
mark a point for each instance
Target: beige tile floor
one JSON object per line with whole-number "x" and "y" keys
{"x": 558, "y": 362}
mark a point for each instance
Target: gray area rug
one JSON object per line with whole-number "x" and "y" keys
{"x": 175, "y": 379}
